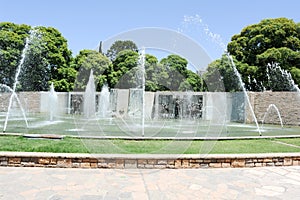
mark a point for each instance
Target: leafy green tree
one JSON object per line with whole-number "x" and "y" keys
{"x": 180, "y": 77}
{"x": 12, "y": 42}
{"x": 86, "y": 61}
{"x": 271, "y": 40}
{"x": 62, "y": 74}
{"x": 119, "y": 46}
{"x": 156, "y": 75}
{"x": 122, "y": 73}
{"x": 35, "y": 73}
{"x": 47, "y": 59}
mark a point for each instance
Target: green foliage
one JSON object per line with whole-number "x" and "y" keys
{"x": 46, "y": 55}
{"x": 122, "y": 73}
{"x": 119, "y": 46}
{"x": 180, "y": 78}
{"x": 12, "y": 42}
{"x": 220, "y": 76}
{"x": 87, "y": 60}
{"x": 270, "y": 41}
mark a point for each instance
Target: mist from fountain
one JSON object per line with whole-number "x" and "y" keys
{"x": 245, "y": 92}
{"x": 142, "y": 68}
{"x": 284, "y": 74}
{"x": 89, "y": 101}
{"x": 52, "y": 102}
{"x": 104, "y": 103}
{"x": 216, "y": 38}
{"x": 32, "y": 35}
{"x": 277, "y": 111}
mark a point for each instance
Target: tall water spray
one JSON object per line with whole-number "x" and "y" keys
{"x": 89, "y": 101}
{"x": 218, "y": 40}
{"x": 104, "y": 105}
{"x": 244, "y": 91}
{"x": 31, "y": 36}
{"x": 142, "y": 69}
{"x": 275, "y": 67}
{"x": 52, "y": 102}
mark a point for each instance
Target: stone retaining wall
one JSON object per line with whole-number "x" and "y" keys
{"x": 285, "y": 102}
{"x": 146, "y": 161}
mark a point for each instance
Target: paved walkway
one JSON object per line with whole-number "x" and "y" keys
{"x": 90, "y": 184}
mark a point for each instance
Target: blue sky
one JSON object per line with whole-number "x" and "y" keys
{"x": 85, "y": 23}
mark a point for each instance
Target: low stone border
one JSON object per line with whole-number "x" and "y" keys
{"x": 146, "y": 161}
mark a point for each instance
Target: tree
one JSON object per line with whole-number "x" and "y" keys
{"x": 47, "y": 58}
{"x": 156, "y": 75}
{"x": 271, "y": 40}
{"x": 220, "y": 76}
{"x": 86, "y": 61}
{"x": 180, "y": 78}
{"x": 119, "y": 46}
{"x": 12, "y": 42}
{"x": 122, "y": 73}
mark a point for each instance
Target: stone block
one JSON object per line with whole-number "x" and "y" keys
{"x": 270, "y": 164}
{"x": 238, "y": 163}
{"x": 170, "y": 166}
{"x": 148, "y": 166}
{"x": 215, "y": 165}
{"x": 204, "y": 165}
{"x": 185, "y": 163}
{"x": 177, "y": 163}
{"x": 296, "y": 162}
{"x": 94, "y": 165}
{"x": 171, "y": 162}
{"x": 142, "y": 162}
{"x": 85, "y": 165}
{"x": 194, "y": 165}
{"x": 279, "y": 164}
{"x": 102, "y": 165}
{"x": 152, "y": 162}
{"x": 53, "y": 161}
{"x": 130, "y": 164}
{"x": 268, "y": 160}
{"x": 65, "y": 163}
{"x": 111, "y": 165}
{"x": 287, "y": 162}
{"x": 249, "y": 165}
{"x": 14, "y": 160}
{"x": 3, "y": 158}
{"x": 258, "y": 164}
{"x": 162, "y": 162}
{"x": 3, "y": 163}
{"x": 75, "y": 165}
{"x": 44, "y": 161}
{"x": 226, "y": 165}
{"x": 159, "y": 166}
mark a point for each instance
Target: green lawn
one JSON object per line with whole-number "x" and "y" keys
{"x": 74, "y": 145}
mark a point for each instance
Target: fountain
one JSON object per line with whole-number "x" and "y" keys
{"x": 136, "y": 113}
{"x": 285, "y": 76}
{"x": 52, "y": 102}
{"x": 13, "y": 96}
{"x": 245, "y": 92}
{"x": 104, "y": 103}
{"x": 142, "y": 68}
{"x": 277, "y": 111}
{"x": 89, "y": 101}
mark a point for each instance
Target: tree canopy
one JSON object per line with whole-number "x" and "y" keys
{"x": 47, "y": 57}
{"x": 86, "y": 61}
{"x": 119, "y": 46}
{"x": 270, "y": 41}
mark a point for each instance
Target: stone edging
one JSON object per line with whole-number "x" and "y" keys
{"x": 146, "y": 161}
